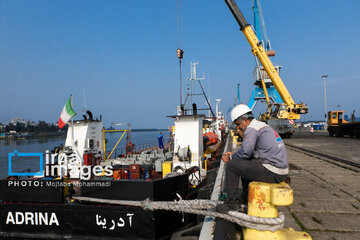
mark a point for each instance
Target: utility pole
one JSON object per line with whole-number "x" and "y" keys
{"x": 324, "y": 77}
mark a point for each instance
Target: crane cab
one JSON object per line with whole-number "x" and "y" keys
{"x": 336, "y": 118}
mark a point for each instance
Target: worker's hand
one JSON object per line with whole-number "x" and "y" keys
{"x": 226, "y": 156}
{"x": 239, "y": 131}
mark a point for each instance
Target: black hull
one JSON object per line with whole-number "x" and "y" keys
{"x": 86, "y": 222}
{"x": 37, "y": 212}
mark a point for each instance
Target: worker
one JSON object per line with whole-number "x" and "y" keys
{"x": 262, "y": 157}
{"x": 161, "y": 140}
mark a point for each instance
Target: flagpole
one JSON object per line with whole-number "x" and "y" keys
{"x": 72, "y": 126}
{"x": 72, "y": 135}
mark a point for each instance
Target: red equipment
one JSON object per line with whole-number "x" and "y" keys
{"x": 88, "y": 159}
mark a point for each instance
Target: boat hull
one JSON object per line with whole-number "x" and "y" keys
{"x": 31, "y": 213}
{"x": 56, "y": 221}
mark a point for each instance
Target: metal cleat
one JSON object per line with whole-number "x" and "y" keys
{"x": 263, "y": 200}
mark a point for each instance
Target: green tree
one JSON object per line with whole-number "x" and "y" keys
{"x": 30, "y": 128}
{"x": 10, "y": 127}
{"x": 20, "y": 127}
{"x": 42, "y": 127}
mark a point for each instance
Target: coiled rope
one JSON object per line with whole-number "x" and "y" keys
{"x": 200, "y": 207}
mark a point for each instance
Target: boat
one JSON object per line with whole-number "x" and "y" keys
{"x": 46, "y": 204}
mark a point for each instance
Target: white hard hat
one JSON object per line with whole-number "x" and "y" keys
{"x": 238, "y": 111}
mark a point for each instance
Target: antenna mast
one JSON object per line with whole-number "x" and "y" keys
{"x": 191, "y": 90}
{"x": 179, "y": 51}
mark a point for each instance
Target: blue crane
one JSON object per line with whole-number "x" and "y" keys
{"x": 258, "y": 93}
{"x": 259, "y": 25}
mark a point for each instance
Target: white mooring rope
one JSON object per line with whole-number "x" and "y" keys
{"x": 200, "y": 207}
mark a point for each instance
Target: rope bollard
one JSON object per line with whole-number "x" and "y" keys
{"x": 263, "y": 200}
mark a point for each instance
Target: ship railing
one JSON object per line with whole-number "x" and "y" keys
{"x": 137, "y": 148}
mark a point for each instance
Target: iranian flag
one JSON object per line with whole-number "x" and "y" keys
{"x": 66, "y": 114}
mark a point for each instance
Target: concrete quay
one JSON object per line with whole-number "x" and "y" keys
{"x": 326, "y": 193}
{"x": 326, "y": 196}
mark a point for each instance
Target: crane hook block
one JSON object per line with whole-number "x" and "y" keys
{"x": 179, "y": 53}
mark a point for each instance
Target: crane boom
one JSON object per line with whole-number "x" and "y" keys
{"x": 293, "y": 109}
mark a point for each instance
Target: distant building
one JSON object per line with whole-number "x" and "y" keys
{"x": 2, "y": 127}
{"x": 31, "y": 123}
{"x": 17, "y": 120}
{"x": 316, "y": 125}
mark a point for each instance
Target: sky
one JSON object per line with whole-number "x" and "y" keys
{"x": 118, "y": 58}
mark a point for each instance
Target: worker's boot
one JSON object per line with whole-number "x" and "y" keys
{"x": 231, "y": 204}
{"x": 244, "y": 201}
{"x": 243, "y": 197}
{"x": 288, "y": 180}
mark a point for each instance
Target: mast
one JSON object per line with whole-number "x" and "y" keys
{"x": 191, "y": 93}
